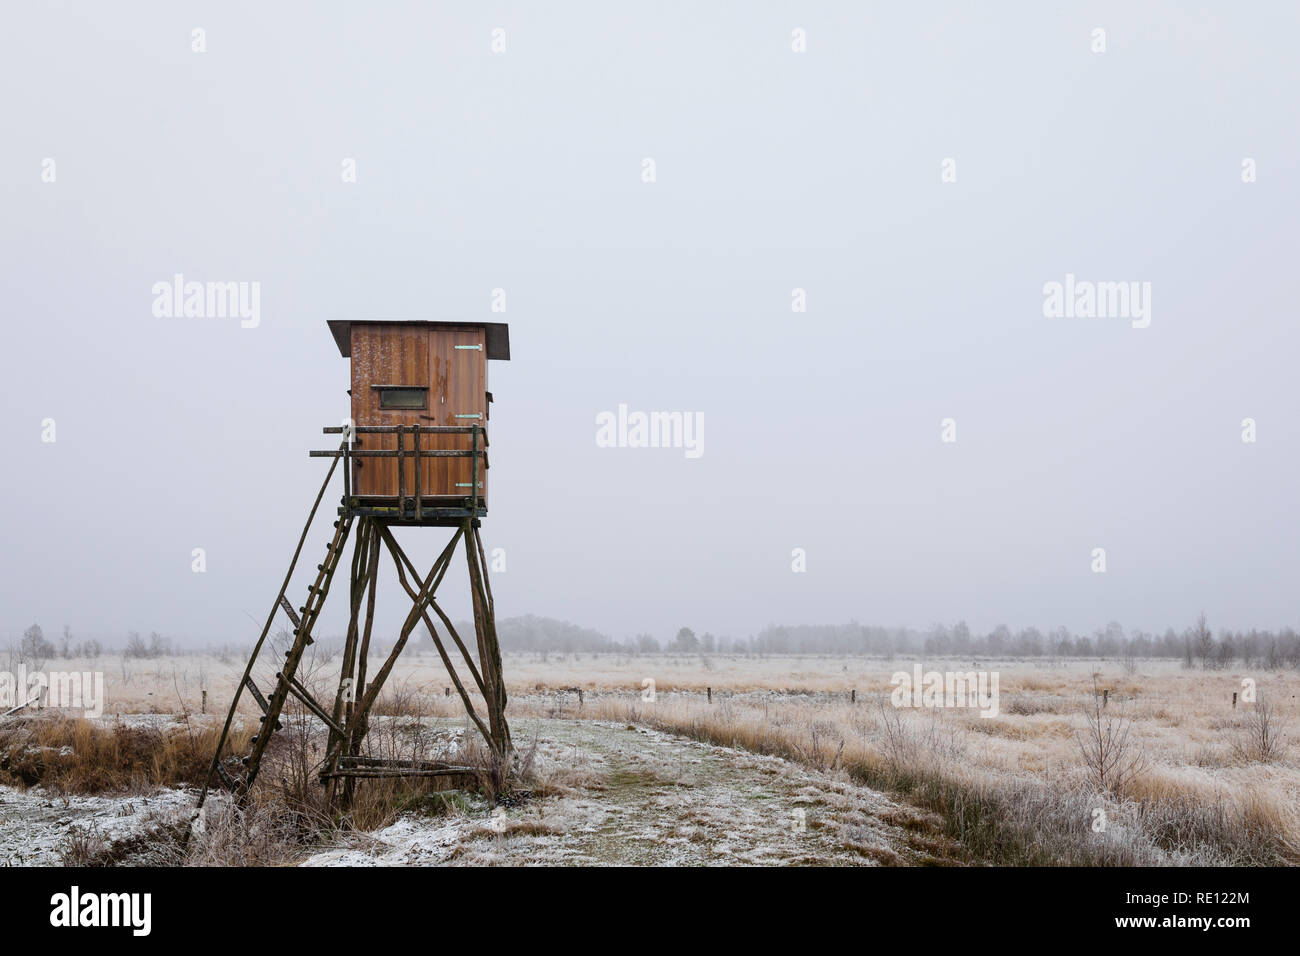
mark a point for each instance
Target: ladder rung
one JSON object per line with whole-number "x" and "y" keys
{"x": 257, "y": 694}
{"x": 288, "y": 609}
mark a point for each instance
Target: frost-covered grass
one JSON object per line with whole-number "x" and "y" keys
{"x": 612, "y": 793}
{"x": 586, "y": 792}
{"x": 1013, "y": 788}
{"x": 950, "y": 763}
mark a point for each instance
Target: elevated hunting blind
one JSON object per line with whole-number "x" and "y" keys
{"x": 432, "y": 374}
{"x": 415, "y": 454}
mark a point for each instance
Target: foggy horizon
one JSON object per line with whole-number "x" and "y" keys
{"x": 915, "y": 180}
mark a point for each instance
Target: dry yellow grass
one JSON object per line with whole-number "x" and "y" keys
{"x": 82, "y": 756}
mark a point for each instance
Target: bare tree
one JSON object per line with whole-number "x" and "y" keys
{"x": 1203, "y": 640}
{"x": 1260, "y": 736}
{"x": 1112, "y": 756}
{"x": 1226, "y": 652}
{"x": 135, "y": 646}
{"x": 1128, "y": 657}
{"x": 35, "y": 648}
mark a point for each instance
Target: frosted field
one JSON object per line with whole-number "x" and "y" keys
{"x": 612, "y": 794}
{"x": 781, "y": 766}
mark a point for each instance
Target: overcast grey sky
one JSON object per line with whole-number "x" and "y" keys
{"x": 775, "y": 170}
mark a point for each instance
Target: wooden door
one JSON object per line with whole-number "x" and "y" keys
{"x": 457, "y": 396}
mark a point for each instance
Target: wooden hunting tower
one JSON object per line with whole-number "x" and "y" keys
{"x": 432, "y": 374}
{"x": 415, "y": 453}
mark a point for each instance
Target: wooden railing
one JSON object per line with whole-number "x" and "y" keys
{"x": 350, "y": 454}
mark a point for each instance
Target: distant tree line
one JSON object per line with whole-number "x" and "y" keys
{"x": 545, "y": 634}
{"x": 1196, "y": 646}
{"x": 35, "y": 647}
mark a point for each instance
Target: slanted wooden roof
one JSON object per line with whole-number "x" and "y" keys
{"x": 498, "y": 333}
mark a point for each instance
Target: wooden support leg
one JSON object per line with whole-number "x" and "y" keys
{"x": 488, "y": 648}
{"x": 494, "y": 645}
{"x": 355, "y": 732}
{"x": 371, "y": 692}
{"x": 362, "y": 575}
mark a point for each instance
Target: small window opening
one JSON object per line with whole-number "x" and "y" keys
{"x": 402, "y": 397}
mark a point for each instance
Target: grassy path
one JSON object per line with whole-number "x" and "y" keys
{"x": 613, "y": 794}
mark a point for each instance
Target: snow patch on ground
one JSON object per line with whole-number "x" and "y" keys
{"x": 34, "y": 823}
{"x": 408, "y": 842}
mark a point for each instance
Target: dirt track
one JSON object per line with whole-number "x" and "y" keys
{"x": 640, "y": 797}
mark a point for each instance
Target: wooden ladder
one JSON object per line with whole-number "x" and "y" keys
{"x": 286, "y": 683}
